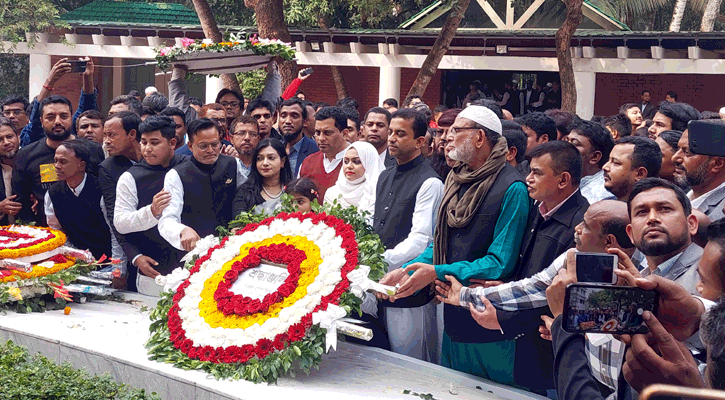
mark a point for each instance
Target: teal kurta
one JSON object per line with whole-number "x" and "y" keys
{"x": 492, "y": 361}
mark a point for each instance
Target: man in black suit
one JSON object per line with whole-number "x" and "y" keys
{"x": 120, "y": 137}
{"x": 559, "y": 207}
{"x": 375, "y": 131}
{"x": 9, "y": 144}
{"x": 646, "y": 107}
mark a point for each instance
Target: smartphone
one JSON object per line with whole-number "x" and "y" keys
{"x": 595, "y": 308}
{"x": 596, "y": 267}
{"x": 707, "y": 137}
{"x": 670, "y": 392}
{"x": 306, "y": 71}
{"x": 78, "y": 65}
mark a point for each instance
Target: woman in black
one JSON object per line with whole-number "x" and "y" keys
{"x": 270, "y": 172}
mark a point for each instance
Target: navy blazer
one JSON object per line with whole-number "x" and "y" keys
{"x": 307, "y": 148}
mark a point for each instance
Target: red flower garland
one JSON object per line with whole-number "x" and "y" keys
{"x": 297, "y": 332}
{"x": 24, "y": 236}
{"x": 229, "y": 303}
{"x": 13, "y": 236}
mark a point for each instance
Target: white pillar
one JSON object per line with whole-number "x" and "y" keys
{"x": 213, "y": 86}
{"x": 389, "y": 84}
{"x": 40, "y": 67}
{"x": 586, "y": 83}
{"x": 118, "y": 76}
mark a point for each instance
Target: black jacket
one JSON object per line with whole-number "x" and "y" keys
{"x": 543, "y": 241}
{"x": 572, "y": 377}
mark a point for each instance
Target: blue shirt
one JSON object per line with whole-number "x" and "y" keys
{"x": 294, "y": 154}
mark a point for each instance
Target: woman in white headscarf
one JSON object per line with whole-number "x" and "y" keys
{"x": 355, "y": 186}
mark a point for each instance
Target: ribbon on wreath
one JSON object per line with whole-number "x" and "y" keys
{"x": 360, "y": 283}
{"x": 328, "y": 319}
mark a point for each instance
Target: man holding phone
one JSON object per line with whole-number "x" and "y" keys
{"x": 88, "y": 101}
{"x": 705, "y": 175}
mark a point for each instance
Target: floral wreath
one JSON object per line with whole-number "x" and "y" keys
{"x": 206, "y": 324}
{"x": 241, "y": 42}
{"x": 35, "y": 262}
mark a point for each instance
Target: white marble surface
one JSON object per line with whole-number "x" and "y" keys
{"x": 109, "y": 337}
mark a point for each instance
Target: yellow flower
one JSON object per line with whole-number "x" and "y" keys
{"x": 15, "y": 292}
{"x": 308, "y": 272}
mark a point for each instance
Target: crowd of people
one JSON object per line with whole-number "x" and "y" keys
{"x": 477, "y": 210}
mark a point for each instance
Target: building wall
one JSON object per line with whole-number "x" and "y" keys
{"x": 362, "y": 84}
{"x": 702, "y": 91}
{"x": 432, "y": 95}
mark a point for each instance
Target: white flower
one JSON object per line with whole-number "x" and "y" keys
{"x": 207, "y": 41}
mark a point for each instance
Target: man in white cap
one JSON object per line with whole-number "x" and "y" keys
{"x": 722, "y": 113}
{"x": 478, "y": 235}
{"x": 150, "y": 89}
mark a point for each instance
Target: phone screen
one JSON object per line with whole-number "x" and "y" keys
{"x": 607, "y": 309}
{"x": 595, "y": 268}
{"x": 78, "y": 65}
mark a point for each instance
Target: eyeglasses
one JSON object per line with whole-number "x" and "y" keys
{"x": 205, "y": 146}
{"x": 452, "y": 131}
{"x": 9, "y": 113}
{"x": 232, "y": 104}
{"x": 251, "y": 134}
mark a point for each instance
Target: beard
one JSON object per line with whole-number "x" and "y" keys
{"x": 696, "y": 177}
{"x": 658, "y": 248}
{"x": 464, "y": 153}
{"x": 58, "y": 136}
{"x": 288, "y": 137}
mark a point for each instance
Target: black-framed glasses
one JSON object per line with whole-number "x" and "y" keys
{"x": 232, "y": 104}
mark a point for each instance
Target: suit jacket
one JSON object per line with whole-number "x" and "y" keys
{"x": 541, "y": 244}
{"x": 713, "y": 205}
{"x": 649, "y": 110}
{"x": 390, "y": 161}
{"x": 684, "y": 271}
{"x": 4, "y": 219}
{"x": 573, "y": 379}
{"x": 308, "y": 146}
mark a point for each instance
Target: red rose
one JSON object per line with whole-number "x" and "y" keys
{"x": 231, "y": 275}
{"x": 286, "y": 289}
{"x": 239, "y": 309}
{"x": 194, "y": 352}
{"x": 228, "y": 309}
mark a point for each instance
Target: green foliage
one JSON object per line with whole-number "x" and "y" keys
{"x": 14, "y": 74}
{"x": 18, "y": 17}
{"x": 380, "y": 14}
{"x": 252, "y": 82}
{"x": 23, "y": 376}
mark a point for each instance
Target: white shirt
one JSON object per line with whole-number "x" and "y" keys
{"x": 427, "y": 202}
{"x": 128, "y": 218}
{"x": 696, "y": 203}
{"x": 330, "y": 165}
{"x": 170, "y": 225}
{"x": 384, "y": 155}
{"x": 7, "y": 172}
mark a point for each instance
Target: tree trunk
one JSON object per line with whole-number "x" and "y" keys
{"x": 677, "y": 15}
{"x": 211, "y": 31}
{"x": 337, "y": 77}
{"x": 439, "y": 49}
{"x": 563, "y": 54}
{"x": 271, "y": 25}
{"x": 709, "y": 16}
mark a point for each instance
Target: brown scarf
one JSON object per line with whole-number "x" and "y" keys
{"x": 457, "y": 213}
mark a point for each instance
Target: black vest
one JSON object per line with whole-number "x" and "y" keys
{"x": 471, "y": 243}
{"x": 208, "y": 193}
{"x": 397, "y": 189}
{"x": 81, "y": 217}
{"x": 149, "y": 181}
